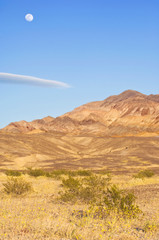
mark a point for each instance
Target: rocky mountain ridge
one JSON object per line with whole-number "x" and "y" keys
{"x": 129, "y": 113}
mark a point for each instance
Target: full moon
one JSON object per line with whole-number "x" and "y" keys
{"x": 29, "y": 17}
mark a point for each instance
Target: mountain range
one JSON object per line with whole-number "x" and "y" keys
{"x": 129, "y": 113}
{"x": 120, "y": 133}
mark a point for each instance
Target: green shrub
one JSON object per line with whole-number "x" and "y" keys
{"x": 120, "y": 201}
{"x": 102, "y": 197}
{"x": 147, "y": 173}
{"x": 13, "y": 173}
{"x": 36, "y": 172}
{"x": 17, "y": 186}
{"x": 87, "y": 190}
{"x": 71, "y": 192}
{"x": 71, "y": 183}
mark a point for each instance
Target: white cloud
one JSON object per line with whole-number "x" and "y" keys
{"x": 21, "y": 79}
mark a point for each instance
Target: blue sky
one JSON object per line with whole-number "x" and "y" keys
{"x": 99, "y": 47}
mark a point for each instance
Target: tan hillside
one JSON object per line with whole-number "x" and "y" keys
{"x": 119, "y": 133}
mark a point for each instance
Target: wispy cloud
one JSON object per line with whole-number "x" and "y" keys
{"x": 22, "y": 79}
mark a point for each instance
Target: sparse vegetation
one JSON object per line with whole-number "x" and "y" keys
{"x": 13, "y": 173}
{"x": 98, "y": 192}
{"x": 16, "y": 186}
{"x": 36, "y": 172}
{"x": 90, "y": 207}
{"x": 147, "y": 173}
{"x": 74, "y": 173}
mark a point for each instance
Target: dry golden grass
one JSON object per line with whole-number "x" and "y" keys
{"x": 38, "y": 215}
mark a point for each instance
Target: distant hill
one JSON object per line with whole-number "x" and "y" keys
{"x": 129, "y": 113}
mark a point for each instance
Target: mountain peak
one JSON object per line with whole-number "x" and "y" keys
{"x": 121, "y": 97}
{"x": 130, "y": 93}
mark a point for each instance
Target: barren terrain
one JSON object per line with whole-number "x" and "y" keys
{"x": 49, "y": 150}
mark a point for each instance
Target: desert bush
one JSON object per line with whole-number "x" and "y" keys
{"x": 147, "y": 173}
{"x": 36, "y": 172}
{"x": 71, "y": 183}
{"x": 100, "y": 195}
{"x": 16, "y": 186}
{"x": 86, "y": 190}
{"x": 115, "y": 201}
{"x": 121, "y": 201}
{"x": 13, "y": 173}
{"x": 71, "y": 192}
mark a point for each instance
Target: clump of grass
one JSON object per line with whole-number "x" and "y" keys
{"x": 147, "y": 173}
{"x": 13, "y": 173}
{"x": 36, "y": 172}
{"x": 17, "y": 186}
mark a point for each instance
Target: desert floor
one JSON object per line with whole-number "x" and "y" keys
{"x": 39, "y": 215}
